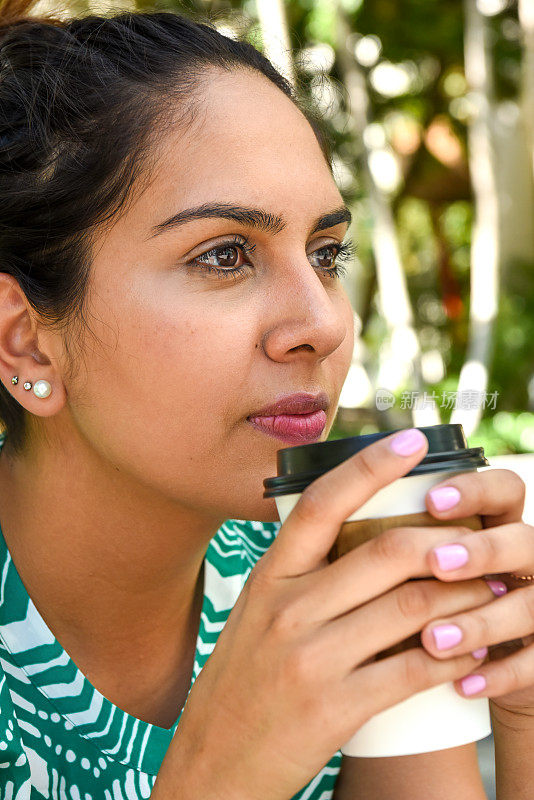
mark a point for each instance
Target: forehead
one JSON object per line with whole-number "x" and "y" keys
{"x": 247, "y": 141}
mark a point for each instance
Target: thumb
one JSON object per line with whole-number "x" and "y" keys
{"x": 311, "y": 528}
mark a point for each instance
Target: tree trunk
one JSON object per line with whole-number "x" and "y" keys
{"x": 400, "y": 355}
{"x": 276, "y": 40}
{"x": 526, "y": 18}
{"x": 485, "y": 235}
{"x": 514, "y": 144}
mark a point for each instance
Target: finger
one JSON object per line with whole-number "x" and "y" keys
{"x": 396, "y": 616}
{"x": 493, "y": 551}
{"x": 310, "y": 530}
{"x": 496, "y": 494}
{"x": 496, "y": 678}
{"x": 385, "y": 683}
{"x": 512, "y": 617}
{"x": 369, "y": 570}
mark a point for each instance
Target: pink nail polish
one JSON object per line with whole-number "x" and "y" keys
{"x": 445, "y": 497}
{"x": 447, "y": 636}
{"x": 481, "y": 653}
{"x": 497, "y": 587}
{"x": 406, "y": 443}
{"x": 473, "y": 684}
{"x": 451, "y": 556}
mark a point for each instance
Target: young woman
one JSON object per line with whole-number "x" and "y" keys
{"x": 171, "y": 315}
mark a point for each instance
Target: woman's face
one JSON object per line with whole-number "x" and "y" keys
{"x": 188, "y": 355}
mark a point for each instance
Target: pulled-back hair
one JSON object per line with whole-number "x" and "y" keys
{"x": 81, "y": 101}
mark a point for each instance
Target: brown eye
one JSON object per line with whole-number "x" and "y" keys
{"x": 228, "y": 257}
{"x": 325, "y": 256}
{"x": 227, "y": 260}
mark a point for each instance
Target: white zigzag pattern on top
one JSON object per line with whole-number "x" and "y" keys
{"x": 21, "y": 702}
{"x": 105, "y": 731}
{"x": 143, "y": 747}
{"x": 61, "y": 661}
{"x": 90, "y": 715}
{"x": 225, "y": 553}
{"x": 4, "y": 578}
{"x": 212, "y": 627}
{"x": 20, "y": 635}
{"x": 318, "y": 778}
{"x": 117, "y": 747}
{"x": 72, "y": 689}
{"x": 205, "y": 648}
{"x": 260, "y": 527}
{"x": 16, "y": 672}
{"x": 222, "y": 591}
{"x": 132, "y": 739}
{"x": 227, "y": 537}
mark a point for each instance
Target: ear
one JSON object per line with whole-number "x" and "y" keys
{"x": 28, "y": 351}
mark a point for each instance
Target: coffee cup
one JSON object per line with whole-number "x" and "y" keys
{"x": 436, "y": 718}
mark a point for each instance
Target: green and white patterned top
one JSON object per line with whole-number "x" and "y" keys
{"x": 59, "y": 737}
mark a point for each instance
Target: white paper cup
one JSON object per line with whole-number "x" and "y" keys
{"x": 437, "y": 718}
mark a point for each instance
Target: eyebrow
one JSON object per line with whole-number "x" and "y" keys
{"x": 252, "y": 217}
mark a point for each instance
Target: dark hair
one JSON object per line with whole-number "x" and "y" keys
{"x": 80, "y": 102}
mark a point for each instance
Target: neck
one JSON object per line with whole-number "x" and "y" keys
{"x": 108, "y": 561}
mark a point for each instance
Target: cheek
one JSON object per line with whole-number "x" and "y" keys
{"x": 164, "y": 361}
{"x": 165, "y": 391}
{"x": 342, "y": 357}
{"x": 197, "y": 357}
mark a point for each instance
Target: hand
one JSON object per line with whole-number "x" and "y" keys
{"x": 290, "y": 678}
{"x": 505, "y": 545}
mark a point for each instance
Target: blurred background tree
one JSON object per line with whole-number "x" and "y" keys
{"x": 429, "y": 105}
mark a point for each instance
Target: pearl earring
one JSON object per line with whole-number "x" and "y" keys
{"x": 41, "y": 388}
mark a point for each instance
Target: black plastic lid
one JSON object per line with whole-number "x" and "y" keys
{"x": 299, "y": 466}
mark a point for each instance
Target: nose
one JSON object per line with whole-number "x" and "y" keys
{"x": 306, "y": 319}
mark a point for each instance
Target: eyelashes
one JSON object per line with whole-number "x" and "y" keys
{"x": 343, "y": 252}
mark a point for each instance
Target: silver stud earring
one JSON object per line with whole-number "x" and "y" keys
{"x": 27, "y": 385}
{"x": 15, "y": 380}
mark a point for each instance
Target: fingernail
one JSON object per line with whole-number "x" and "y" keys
{"x": 445, "y": 497}
{"x": 407, "y": 442}
{"x": 447, "y": 636}
{"x": 497, "y": 587}
{"x": 451, "y": 556}
{"x": 473, "y": 684}
{"x": 482, "y": 653}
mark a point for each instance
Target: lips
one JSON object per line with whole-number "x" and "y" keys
{"x": 296, "y": 419}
